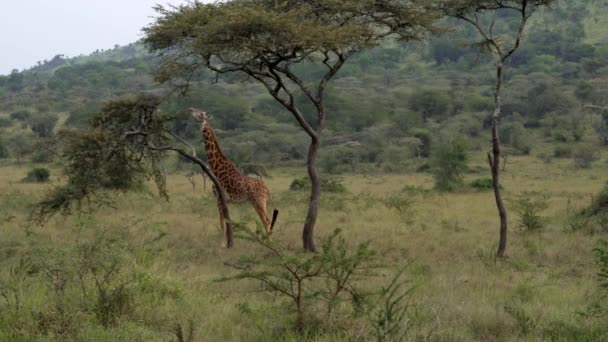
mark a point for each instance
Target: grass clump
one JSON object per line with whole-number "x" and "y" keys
{"x": 390, "y": 321}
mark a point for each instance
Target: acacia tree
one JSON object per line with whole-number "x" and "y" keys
{"x": 267, "y": 39}
{"x": 123, "y": 145}
{"x": 502, "y": 44}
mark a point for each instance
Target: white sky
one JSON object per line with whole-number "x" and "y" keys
{"x": 35, "y": 30}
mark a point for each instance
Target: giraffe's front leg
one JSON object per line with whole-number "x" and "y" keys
{"x": 223, "y": 226}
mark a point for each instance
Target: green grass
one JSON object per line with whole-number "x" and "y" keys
{"x": 171, "y": 253}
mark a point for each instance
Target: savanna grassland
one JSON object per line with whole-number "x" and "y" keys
{"x": 167, "y": 256}
{"x": 403, "y": 151}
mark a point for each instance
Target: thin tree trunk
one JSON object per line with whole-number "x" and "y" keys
{"x": 494, "y": 160}
{"x": 315, "y": 195}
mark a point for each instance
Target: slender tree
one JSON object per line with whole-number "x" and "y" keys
{"x": 267, "y": 39}
{"x": 502, "y": 44}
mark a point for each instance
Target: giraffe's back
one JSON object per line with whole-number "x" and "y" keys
{"x": 244, "y": 188}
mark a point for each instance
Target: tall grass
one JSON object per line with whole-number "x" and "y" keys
{"x": 161, "y": 259}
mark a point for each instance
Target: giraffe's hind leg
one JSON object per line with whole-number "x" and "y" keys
{"x": 260, "y": 207}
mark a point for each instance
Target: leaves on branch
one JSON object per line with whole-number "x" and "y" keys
{"x": 113, "y": 154}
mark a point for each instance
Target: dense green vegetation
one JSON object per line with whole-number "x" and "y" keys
{"x": 555, "y": 90}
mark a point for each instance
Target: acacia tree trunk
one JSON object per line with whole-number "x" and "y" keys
{"x": 494, "y": 161}
{"x": 315, "y": 196}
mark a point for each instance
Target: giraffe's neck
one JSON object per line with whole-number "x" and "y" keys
{"x": 217, "y": 160}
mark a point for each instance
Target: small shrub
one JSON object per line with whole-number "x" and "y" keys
{"x": 329, "y": 278}
{"x": 37, "y": 175}
{"x": 333, "y": 185}
{"x": 482, "y": 184}
{"x": 300, "y": 184}
{"x": 403, "y": 204}
{"x": 584, "y": 156}
{"x": 529, "y": 205}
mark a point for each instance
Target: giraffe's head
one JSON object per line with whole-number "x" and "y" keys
{"x": 200, "y": 116}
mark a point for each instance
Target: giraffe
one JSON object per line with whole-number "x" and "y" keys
{"x": 238, "y": 187}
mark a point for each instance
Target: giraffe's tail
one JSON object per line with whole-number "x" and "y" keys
{"x": 274, "y": 218}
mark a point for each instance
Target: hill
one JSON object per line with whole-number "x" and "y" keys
{"x": 553, "y": 94}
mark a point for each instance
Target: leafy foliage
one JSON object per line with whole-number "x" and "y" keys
{"x": 105, "y": 156}
{"x": 289, "y": 31}
{"x": 328, "y": 278}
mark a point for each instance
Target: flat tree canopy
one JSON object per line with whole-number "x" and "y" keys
{"x": 265, "y": 38}
{"x": 248, "y": 35}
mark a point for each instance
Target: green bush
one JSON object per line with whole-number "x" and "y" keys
{"x": 43, "y": 125}
{"x": 430, "y": 102}
{"x": 327, "y": 279}
{"x": 37, "y": 175}
{"x": 300, "y": 184}
{"x": 448, "y": 164}
{"x": 483, "y": 184}
{"x": 562, "y": 151}
{"x": 327, "y": 185}
{"x": 584, "y": 156}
